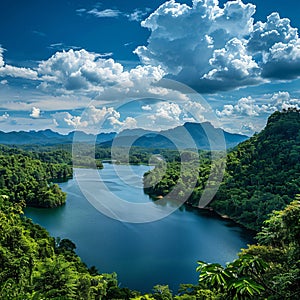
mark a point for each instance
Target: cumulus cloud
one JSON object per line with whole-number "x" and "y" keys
{"x": 75, "y": 70}
{"x": 94, "y": 116}
{"x": 249, "y": 106}
{"x": 278, "y": 45}
{"x": 283, "y": 61}
{"x": 8, "y": 70}
{"x": 203, "y": 45}
{"x": 165, "y": 115}
{"x": 94, "y": 120}
{"x": 167, "y": 111}
{"x": 12, "y": 71}
{"x": 66, "y": 120}
{"x": 128, "y": 123}
{"x": 88, "y": 72}
{"x": 274, "y": 30}
{"x": 214, "y": 49}
{"x": 232, "y": 67}
{"x": 283, "y": 100}
{"x": 35, "y": 113}
{"x": 245, "y": 106}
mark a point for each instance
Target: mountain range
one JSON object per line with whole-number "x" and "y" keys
{"x": 189, "y": 135}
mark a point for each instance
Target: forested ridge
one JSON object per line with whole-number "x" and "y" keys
{"x": 29, "y": 177}
{"x": 262, "y": 174}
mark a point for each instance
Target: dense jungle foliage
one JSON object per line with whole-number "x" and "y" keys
{"x": 28, "y": 177}
{"x": 262, "y": 174}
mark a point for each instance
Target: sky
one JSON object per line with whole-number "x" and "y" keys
{"x": 111, "y": 65}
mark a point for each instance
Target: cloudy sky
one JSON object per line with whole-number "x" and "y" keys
{"x": 110, "y": 65}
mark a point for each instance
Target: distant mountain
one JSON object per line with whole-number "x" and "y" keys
{"x": 190, "y": 135}
{"x": 49, "y": 137}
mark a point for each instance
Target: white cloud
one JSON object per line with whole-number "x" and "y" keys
{"x": 8, "y": 70}
{"x": 165, "y": 115}
{"x": 166, "y": 111}
{"x": 245, "y": 106}
{"x": 227, "y": 111}
{"x": 35, "y": 113}
{"x": 194, "y": 106}
{"x": 283, "y": 100}
{"x": 75, "y": 70}
{"x": 80, "y": 11}
{"x": 107, "y": 13}
{"x": 183, "y": 39}
{"x": 94, "y": 116}
{"x": 66, "y": 120}
{"x": 94, "y": 120}
{"x": 249, "y": 106}
{"x": 232, "y": 67}
{"x": 89, "y": 73}
{"x": 137, "y": 15}
{"x": 1, "y": 57}
{"x": 4, "y": 117}
{"x": 128, "y": 123}
{"x": 12, "y": 71}
{"x": 275, "y": 30}
{"x": 283, "y": 61}
{"x": 278, "y": 45}
{"x": 214, "y": 49}
{"x": 4, "y": 82}
{"x": 230, "y": 60}
{"x": 146, "y": 107}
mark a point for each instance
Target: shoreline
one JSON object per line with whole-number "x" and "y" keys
{"x": 221, "y": 216}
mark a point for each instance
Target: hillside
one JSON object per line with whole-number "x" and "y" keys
{"x": 27, "y": 177}
{"x": 262, "y": 174}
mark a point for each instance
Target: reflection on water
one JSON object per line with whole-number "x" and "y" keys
{"x": 164, "y": 252}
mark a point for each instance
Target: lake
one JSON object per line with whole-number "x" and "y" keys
{"x": 143, "y": 255}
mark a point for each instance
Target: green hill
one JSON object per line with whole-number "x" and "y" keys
{"x": 262, "y": 173}
{"x": 26, "y": 178}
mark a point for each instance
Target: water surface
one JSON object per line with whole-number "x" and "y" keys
{"x": 160, "y": 252}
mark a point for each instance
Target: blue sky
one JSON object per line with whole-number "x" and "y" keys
{"x": 103, "y": 66}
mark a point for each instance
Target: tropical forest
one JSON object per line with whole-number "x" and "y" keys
{"x": 260, "y": 190}
{"x": 149, "y": 150}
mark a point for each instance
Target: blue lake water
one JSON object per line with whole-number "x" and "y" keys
{"x": 159, "y": 252}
